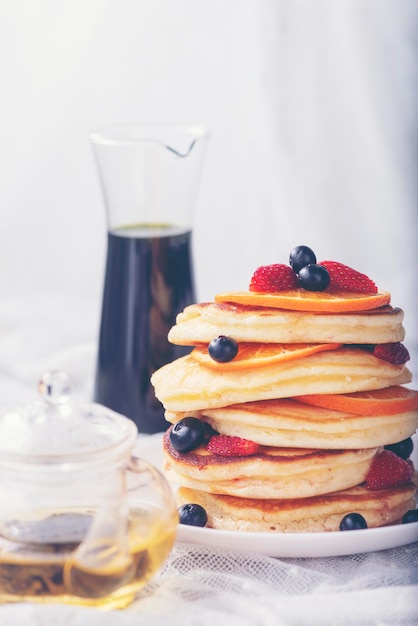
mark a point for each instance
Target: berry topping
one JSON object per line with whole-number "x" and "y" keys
{"x": 313, "y": 278}
{"x": 395, "y": 353}
{"x": 223, "y": 349}
{"x": 301, "y": 256}
{"x": 410, "y": 516}
{"x": 187, "y": 434}
{"x": 192, "y": 515}
{"x": 388, "y": 470}
{"x": 353, "y": 521}
{"x": 271, "y": 278}
{"x": 402, "y": 448}
{"x": 344, "y": 278}
{"x": 224, "y": 445}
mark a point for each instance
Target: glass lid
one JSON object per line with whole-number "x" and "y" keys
{"x": 53, "y": 428}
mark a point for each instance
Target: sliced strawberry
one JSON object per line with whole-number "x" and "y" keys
{"x": 345, "y": 278}
{"x": 388, "y": 470}
{"x": 395, "y": 353}
{"x": 225, "y": 445}
{"x": 271, "y": 278}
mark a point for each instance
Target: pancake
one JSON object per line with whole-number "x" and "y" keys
{"x": 270, "y": 473}
{"x": 310, "y": 468}
{"x": 288, "y": 423}
{"x": 316, "y": 514}
{"x": 185, "y": 385}
{"x": 200, "y": 323}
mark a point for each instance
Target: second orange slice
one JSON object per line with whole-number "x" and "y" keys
{"x": 254, "y": 355}
{"x": 387, "y": 401}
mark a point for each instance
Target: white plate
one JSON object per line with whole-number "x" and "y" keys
{"x": 295, "y": 545}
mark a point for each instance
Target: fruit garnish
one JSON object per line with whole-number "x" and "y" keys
{"x": 301, "y": 256}
{"x": 187, "y": 434}
{"x": 353, "y": 521}
{"x": 254, "y": 355}
{"x": 315, "y": 301}
{"x": 223, "y": 349}
{"x": 388, "y": 470}
{"x": 402, "y": 448}
{"x": 313, "y": 277}
{"x": 226, "y": 445}
{"x": 388, "y": 401}
{"x": 295, "y": 287}
{"x": 345, "y": 278}
{"x": 192, "y": 514}
{"x": 410, "y": 516}
{"x": 272, "y": 278}
{"x": 394, "y": 353}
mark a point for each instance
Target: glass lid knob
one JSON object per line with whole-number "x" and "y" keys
{"x": 55, "y": 387}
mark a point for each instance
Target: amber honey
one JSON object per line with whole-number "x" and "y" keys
{"x": 53, "y": 570}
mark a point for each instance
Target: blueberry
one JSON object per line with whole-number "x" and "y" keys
{"x": 353, "y": 521}
{"x": 410, "y": 516}
{"x": 192, "y": 515}
{"x": 223, "y": 349}
{"x": 402, "y": 448}
{"x": 301, "y": 256}
{"x": 314, "y": 277}
{"x": 187, "y": 434}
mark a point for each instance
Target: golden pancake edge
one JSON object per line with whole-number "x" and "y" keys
{"x": 270, "y": 473}
{"x": 285, "y": 422}
{"x": 200, "y": 323}
{"x": 185, "y": 385}
{"x": 316, "y": 514}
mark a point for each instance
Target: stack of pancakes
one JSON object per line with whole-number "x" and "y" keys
{"x": 311, "y": 463}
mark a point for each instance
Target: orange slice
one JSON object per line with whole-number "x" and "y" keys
{"x": 254, "y": 355}
{"x": 388, "y": 401}
{"x": 302, "y": 300}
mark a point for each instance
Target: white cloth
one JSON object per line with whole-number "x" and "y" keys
{"x": 201, "y": 587}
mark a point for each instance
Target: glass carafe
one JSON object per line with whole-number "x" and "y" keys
{"x": 149, "y": 177}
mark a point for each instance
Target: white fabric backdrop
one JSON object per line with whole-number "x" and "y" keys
{"x": 313, "y": 112}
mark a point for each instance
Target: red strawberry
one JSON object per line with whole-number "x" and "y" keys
{"x": 232, "y": 446}
{"x": 388, "y": 470}
{"x": 395, "y": 353}
{"x": 344, "y": 278}
{"x": 276, "y": 277}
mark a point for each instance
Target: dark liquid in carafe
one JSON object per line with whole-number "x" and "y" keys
{"x": 148, "y": 280}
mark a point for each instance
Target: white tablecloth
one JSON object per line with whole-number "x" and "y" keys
{"x": 199, "y": 585}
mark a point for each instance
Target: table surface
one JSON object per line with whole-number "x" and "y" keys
{"x": 199, "y": 584}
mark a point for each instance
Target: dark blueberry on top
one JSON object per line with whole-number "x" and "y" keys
{"x": 353, "y": 521}
{"x": 187, "y": 434}
{"x": 402, "y": 448}
{"x": 192, "y": 515}
{"x": 223, "y": 349}
{"x": 313, "y": 278}
{"x": 410, "y": 516}
{"x": 301, "y": 256}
